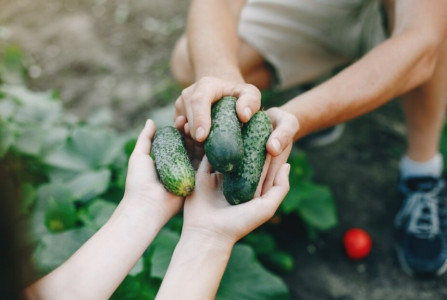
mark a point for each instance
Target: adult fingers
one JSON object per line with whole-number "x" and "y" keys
{"x": 195, "y": 103}
{"x": 285, "y": 128}
{"x": 143, "y": 145}
{"x": 180, "y": 122}
{"x": 248, "y": 102}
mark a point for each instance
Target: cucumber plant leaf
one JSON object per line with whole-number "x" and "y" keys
{"x": 60, "y": 215}
{"x": 245, "y": 278}
{"x": 97, "y": 213}
{"x": 30, "y": 140}
{"x": 88, "y": 185}
{"x": 318, "y": 209}
{"x": 163, "y": 246}
{"x": 54, "y": 249}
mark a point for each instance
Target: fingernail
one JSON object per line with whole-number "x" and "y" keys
{"x": 276, "y": 145}
{"x": 200, "y": 133}
{"x": 247, "y": 113}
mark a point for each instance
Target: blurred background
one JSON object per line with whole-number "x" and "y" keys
{"x": 78, "y": 79}
{"x": 98, "y": 54}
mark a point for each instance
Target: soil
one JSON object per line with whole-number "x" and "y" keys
{"x": 114, "y": 55}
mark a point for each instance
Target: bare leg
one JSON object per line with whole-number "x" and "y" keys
{"x": 424, "y": 109}
{"x": 252, "y": 65}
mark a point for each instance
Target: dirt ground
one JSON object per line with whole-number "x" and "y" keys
{"x": 114, "y": 55}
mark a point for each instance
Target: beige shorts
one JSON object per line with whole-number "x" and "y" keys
{"x": 306, "y": 39}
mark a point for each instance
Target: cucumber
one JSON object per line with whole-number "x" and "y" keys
{"x": 223, "y": 147}
{"x": 240, "y": 186}
{"x": 172, "y": 162}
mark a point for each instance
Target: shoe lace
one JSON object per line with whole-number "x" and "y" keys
{"x": 422, "y": 210}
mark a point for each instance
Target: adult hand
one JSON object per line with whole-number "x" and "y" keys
{"x": 208, "y": 215}
{"x": 194, "y": 103}
{"x": 142, "y": 185}
{"x": 280, "y": 142}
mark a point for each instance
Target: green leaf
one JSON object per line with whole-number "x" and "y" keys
{"x": 300, "y": 169}
{"x": 261, "y": 242}
{"x": 60, "y": 215}
{"x": 55, "y": 190}
{"x": 101, "y": 117}
{"x": 30, "y": 140}
{"x": 62, "y": 159}
{"x": 164, "y": 246}
{"x": 55, "y": 138}
{"x": 300, "y": 181}
{"x": 297, "y": 193}
{"x": 88, "y": 185}
{"x": 54, "y": 249}
{"x": 8, "y": 107}
{"x": 138, "y": 268}
{"x": 87, "y": 148}
{"x": 45, "y": 192}
{"x": 6, "y": 137}
{"x": 12, "y": 67}
{"x": 45, "y": 113}
{"x": 129, "y": 146}
{"x": 99, "y": 146}
{"x": 137, "y": 288}
{"x": 313, "y": 203}
{"x": 245, "y": 278}
{"x": 36, "y": 107}
{"x": 317, "y": 208}
{"x": 279, "y": 261}
{"x": 97, "y": 213}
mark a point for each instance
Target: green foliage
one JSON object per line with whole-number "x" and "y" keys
{"x": 12, "y": 64}
{"x": 312, "y": 202}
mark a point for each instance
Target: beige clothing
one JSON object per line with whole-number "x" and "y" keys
{"x": 306, "y": 39}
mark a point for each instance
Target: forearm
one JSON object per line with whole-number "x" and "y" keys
{"x": 213, "y": 38}
{"x": 100, "y": 265}
{"x": 392, "y": 68}
{"x": 196, "y": 269}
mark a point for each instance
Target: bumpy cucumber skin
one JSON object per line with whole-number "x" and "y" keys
{"x": 172, "y": 162}
{"x": 223, "y": 147}
{"x": 240, "y": 186}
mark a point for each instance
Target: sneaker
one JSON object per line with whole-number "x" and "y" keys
{"x": 421, "y": 226}
{"x": 323, "y": 137}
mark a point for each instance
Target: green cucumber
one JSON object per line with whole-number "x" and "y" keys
{"x": 240, "y": 186}
{"x": 173, "y": 165}
{"x": 223, "y": 147}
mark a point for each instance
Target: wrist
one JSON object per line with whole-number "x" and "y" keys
{"x": 208, "y": 240}
{"x": 224, "y": 73}
{"x": 143, "y": 211}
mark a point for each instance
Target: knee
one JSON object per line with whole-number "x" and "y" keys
{"x": 181, "y": 68}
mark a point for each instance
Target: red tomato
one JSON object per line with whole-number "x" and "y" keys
{"x": 357, "y": 243}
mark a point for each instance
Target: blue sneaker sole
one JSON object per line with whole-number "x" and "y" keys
{"x": 408, "y": 270}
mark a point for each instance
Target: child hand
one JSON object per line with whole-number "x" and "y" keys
{"x": 207, "y": 215}
{"x": 143, "y": 187}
